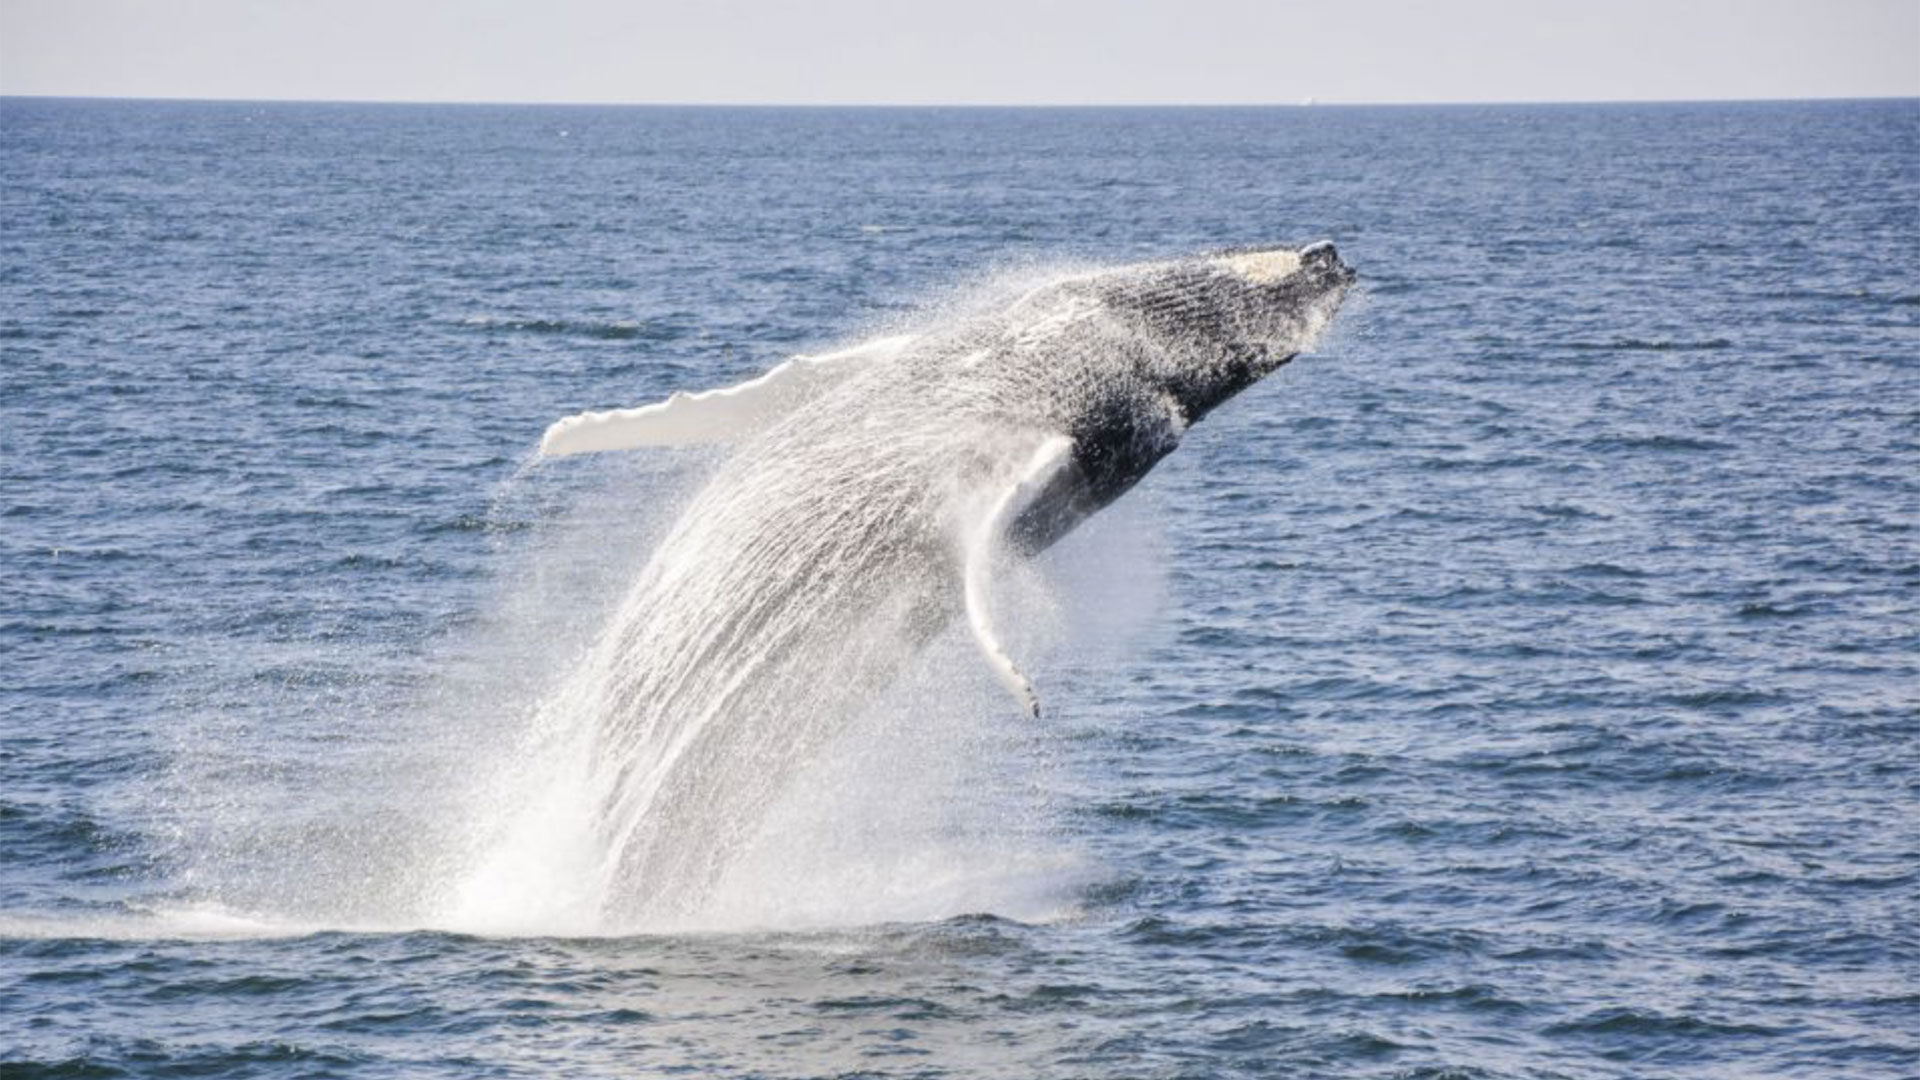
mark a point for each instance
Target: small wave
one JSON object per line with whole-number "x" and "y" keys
{"x": 1475, "y": 997}
{"x": 330, "y": 401}
{"x": 1723, "y": 698}
{"x": 1568, "y": 510}
{"x": 1769, "y": 611}
{"x": 1855, "y": 297}
{"x": 1650, "y": 345}
{"x": 1607, "y": 570}
{"x": 614, "y": 330}
{"x": 1655, "y": 443}
{"x": 1899, "y": 879}
{"x": 176, "y": 924}
{"x": 243, "y": 1059}
{"x": 1478, "y": 464}
{"x": 1623, "y": 1021}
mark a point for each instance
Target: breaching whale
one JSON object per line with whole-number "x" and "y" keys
{"x": 868, "y": 497}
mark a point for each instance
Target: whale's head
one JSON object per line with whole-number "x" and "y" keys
{"x": 1228, "y": 318}
{"x": 1279, "y": 298}
{"x": 1179, "y": 338}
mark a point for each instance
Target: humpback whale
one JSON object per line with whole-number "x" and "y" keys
{"x": 867, "y": 499}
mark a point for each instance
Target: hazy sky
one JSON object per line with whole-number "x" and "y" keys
{"x": 962, "y": 51}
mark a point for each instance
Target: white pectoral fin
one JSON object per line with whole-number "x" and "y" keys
{"x": 712, "y": 415}
{"x": 1046, "y": 463}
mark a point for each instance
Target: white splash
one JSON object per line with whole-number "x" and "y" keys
{"x": 781, "y": 718}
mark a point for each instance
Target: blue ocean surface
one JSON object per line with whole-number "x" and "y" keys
{"x": 1524, "y": 684}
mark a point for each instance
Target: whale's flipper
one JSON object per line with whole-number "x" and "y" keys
{"x": 1048, "y": 461}
{"x": 712, "y": 415}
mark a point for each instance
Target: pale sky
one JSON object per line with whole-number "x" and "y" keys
{"x": 962, "y": 52}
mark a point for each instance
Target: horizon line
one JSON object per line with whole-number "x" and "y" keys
{"x": 1309, "y": 103}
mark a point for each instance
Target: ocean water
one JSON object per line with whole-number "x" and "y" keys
{"x": 1524, "y": 684}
